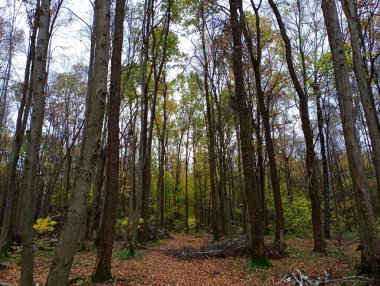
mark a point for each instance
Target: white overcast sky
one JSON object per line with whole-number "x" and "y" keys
{"x": 70, "y": 41}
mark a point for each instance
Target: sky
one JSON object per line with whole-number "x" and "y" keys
{"x": 70, "y": 40}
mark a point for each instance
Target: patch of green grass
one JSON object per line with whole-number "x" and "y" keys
{"x": 264, "y": 277}
{"x": 84, "y": 282}
{"x": 299, "y": 253}
{"x": 154, "y": 243}
{"x": 260, "y": 261}
{"x": 126, "y": 254}
{"x": 351, "y": 235}
{"x": 4, "y": 252}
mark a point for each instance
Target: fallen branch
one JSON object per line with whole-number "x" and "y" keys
{"x": 301, "y": 279}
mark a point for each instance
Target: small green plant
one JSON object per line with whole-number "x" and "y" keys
{"x": 126, "y": 254}
{"x": 260, "y": 261}
{"x": 122, "y": 225}
{"x": 192, "y": 223}
{"x": 44, "y": 225}
{"x": 298, "y": 216}
{"x": 42, "y": 244}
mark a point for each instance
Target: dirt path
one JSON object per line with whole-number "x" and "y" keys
{"x": 152, "y": 267}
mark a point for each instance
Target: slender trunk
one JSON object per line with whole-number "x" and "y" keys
{"x": 252, "y": 193}
{"x": 370, "y": 248}
{"x": 95, "y": 109}
{"x": 211, "y": 133}
{"x": 22, "y": 118}
{"x": 108, "y": 223}
{"x": 326, "y": 192}
{"x": 365, "y": 90}
{"x": 311, "y": 160}
{"x": 187, "y": 182}
{"x": 264, "y": 111}
{"x": 142, "y": 160}
{"x": 33, "y": 146}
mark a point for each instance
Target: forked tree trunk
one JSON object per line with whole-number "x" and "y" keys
{"x": 370, "y": 246}
{"x": 33, "y": 146}
{"x": 211, "y": 130}
{"x": 264, "y": 111}
{"x": 22, "y": 118}
{"x": 365, "y": 91}
{"x": 95, "y": 109}
{"x": 108, "y": 223}
{"x": 254, "y": 205}
{"x": 313, "y": 172}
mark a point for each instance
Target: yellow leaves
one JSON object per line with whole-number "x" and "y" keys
{"x": 191, "y": 223}
{"x": 44, "y": 225}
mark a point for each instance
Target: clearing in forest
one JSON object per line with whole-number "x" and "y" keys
{"x": 154, "y": 266}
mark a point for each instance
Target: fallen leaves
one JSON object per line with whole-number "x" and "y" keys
{"x": 156, "y": 268}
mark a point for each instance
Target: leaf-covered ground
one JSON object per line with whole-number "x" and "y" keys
{"x": 151, "y": 267}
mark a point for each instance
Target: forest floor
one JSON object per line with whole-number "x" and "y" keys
{"x": 153, "y": 266}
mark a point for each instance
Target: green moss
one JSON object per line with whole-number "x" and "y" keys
{"x": 260, "y": 261}
{"x": 4, "y": 253}
{"x": 129, "y": 254}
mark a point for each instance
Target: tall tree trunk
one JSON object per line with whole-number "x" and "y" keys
{"x": 370, "y": 248}
{"x": 252, "y": 193}
{"x": 264, "y": 111}
{"x": 311, "y": 160}
{"x": 161, "y": 171}
{"x": 33, "y": 146}
{"x": 142, "y": 160}
{"x": 108, "y": 223}
{"x": 365, "y": 91}
{"x": 22, "y": 118}
{"x": 326, "y": 191}
{"x": 95, "y": 109}
{"x": 211, "y": 130}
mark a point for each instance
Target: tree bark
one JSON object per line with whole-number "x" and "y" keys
{"x": 252, "y": 193}
{"x": 33, "y": 146}
{"x": 211, "y": 130}
{"x": 95, "y": 109}
{"x": 365, "y": 91}
{"x": 264, "y": 111}
{"x": 370, "y": 247}
{"x": 311, "y": 160}
{"x": 108, "y": 223}
{"x": 22, "y": 118}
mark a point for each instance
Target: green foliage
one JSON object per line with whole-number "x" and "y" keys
{"x": 260, "y": 261}
{"x": 44, "y": 225}
{"x": 123, "y": 224}
{"x": 192, "y": 223}
{"x": 43, "y": 244}
{"x": 126, "y": 254}
{"x": 298, "y": 216}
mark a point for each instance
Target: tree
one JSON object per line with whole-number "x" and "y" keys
{"x": 254, "y": 205}
{"x": 107, "y": 226}
{"x": 211, "y": 128}
{"x": 365, "y": 91}
{"x": 370, "y": 248}
{"x": 311, "y": 160}
{"x": 22, "y": 119}
{"x": 95, "y": 109}
{"x": 34, "y": 139}
{"x": 256, "y": 64}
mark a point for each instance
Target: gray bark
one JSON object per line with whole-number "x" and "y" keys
{"x": 370, "y": 248}
{"x": 366, "y": 95}
{"x": 96, "y": 102}
{"x": 33, "y": 146}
